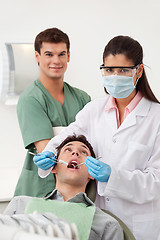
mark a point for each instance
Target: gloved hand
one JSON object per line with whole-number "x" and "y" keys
{"x": 45, "y": 160}
{"x": 97, "y": 169}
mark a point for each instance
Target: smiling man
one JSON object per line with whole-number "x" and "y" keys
{"x": 46, "y": 106}
{"x": 69, "y": 200}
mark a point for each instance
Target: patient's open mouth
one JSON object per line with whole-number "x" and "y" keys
{"x": 73, "y": 164}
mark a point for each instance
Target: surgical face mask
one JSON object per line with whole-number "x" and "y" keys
{"x": 119, "y": 86}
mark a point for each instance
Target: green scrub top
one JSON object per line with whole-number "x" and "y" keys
{"x": 38, "y": 112}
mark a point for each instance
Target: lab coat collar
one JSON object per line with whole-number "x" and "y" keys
{"x": 141, "y": 109}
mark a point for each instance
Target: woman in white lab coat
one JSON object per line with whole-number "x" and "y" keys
{"x": 124, "y": 129}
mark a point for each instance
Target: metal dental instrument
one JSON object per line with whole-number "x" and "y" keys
{"x": 57, "y": 161}
{"x": 61, "y": 161}
{"x": 81, "y": 164}
{"x": 33, "y": 153}
{"x": 98, "y": 158}
{"x": 84, "y": 162}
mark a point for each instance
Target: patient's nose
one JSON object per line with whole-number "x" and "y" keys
{"x": 75, "y": 154}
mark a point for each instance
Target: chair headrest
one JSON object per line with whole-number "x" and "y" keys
{"x": 91, "y": 190}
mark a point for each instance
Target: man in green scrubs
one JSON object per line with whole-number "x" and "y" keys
{"x": 46, "y": 106}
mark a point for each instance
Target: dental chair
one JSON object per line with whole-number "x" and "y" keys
{"x": 91, "y": 193}
{"x": 15, "y": 233}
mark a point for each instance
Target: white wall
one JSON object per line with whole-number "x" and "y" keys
{"x": 90, "y": 24}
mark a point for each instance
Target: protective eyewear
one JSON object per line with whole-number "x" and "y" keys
{"x": 122, "y": 71}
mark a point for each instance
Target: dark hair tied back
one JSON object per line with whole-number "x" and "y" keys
{"x": 134, "y": 52}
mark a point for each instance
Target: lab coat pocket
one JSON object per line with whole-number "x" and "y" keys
{"x": 136, "y": 156}
{"x": 147, "y": 226}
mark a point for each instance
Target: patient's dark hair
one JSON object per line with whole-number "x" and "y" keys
{"x": 73, "y": 138}
{"x": 52, "y": 35}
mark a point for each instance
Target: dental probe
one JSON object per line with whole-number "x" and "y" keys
{"x": 63, "y": 162}
{"x": 33, "y": 153}
{"x": 84, "y": 162}
{"x": 60, "y": 161}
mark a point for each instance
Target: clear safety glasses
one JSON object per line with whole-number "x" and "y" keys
{"x": 122, "y": 71}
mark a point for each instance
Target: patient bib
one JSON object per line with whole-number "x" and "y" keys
{"x": 78, "y": 213}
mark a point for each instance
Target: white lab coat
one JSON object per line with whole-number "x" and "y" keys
{"x": 133, "y": 152}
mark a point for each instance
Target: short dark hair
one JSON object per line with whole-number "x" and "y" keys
{"x": 53, "y": 35}
{"x": 73, "y": 138}
{"x": 133, "y": 51}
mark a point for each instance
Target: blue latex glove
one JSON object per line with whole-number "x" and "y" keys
{"x": 43, "y": 160}
{"x": 97, "y": 169}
